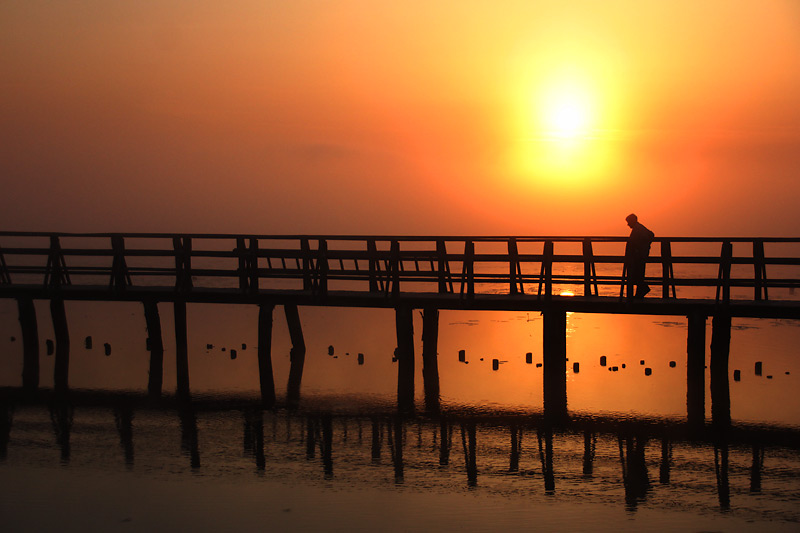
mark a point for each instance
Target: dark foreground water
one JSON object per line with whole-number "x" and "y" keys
{"x": 111, "y": 461}
{"x": 120, "y": 463}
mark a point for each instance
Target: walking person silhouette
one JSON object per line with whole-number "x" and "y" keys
{"x": 637, "y": 250}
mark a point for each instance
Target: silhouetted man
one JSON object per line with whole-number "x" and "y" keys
{"x": 636, "y": 252}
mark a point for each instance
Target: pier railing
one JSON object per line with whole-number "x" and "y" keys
{"x": 704, "y": 268}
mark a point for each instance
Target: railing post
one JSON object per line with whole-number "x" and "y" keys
{"x": 241, "y": 253}
{"x": 322, "y": 267}
{"x": 760, "y": 270}
{"x": 5, "y": 277}
{"x": 120, "y": 279}
{"x": 308, "y": 265}
{"x": 667, "y": 272}
{"x": 724, "y": 276}
{"x": 374, "y": 265}
{"x": 252, "y": 265}
{"x": 183, "y": 263}
{"x": 395, "y": 267}
{"x": 514, "y": 268}
{"x": 56, "y": 273}
{"x": 546, "y": 273}
{"x": 468, "y": 269}
{"x": 589, "y": 269}
{"x": 445, "y": 281}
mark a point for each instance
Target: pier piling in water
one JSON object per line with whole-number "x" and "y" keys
{"x": 30, "y": 344}
{"x": 153, "y": 320}
{"x": 720, "y": 387}
{"x": 404, "y": 323}
{"x": 696, "y": 369}
{"x": 266, "y": 379}
{"x": 181, "y": 351}
{"x": 430, "y": 362}
{"x": 555, "y": 363}
{"x": 297, "y": 355}
{"x": 61, "y": 371}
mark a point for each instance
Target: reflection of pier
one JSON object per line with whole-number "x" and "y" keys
{"x": 627, "y": 459}
{"x": 403, "y": 273}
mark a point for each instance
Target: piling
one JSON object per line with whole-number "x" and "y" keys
{"x": 181, "y": 351}
{"x": 265, "y": 355}
{"x": 695, "y": 369}
{"x": 759, "y": 368}
{"x": 156, "y": 343}
{"x": 430, "y": 362}
{"x": 555, "y": 363}
{"x": 297, "y": 355}
{"x": 405, "y": 358}
{"x": 720, "y": 387}
{"x": 61, "y": 372}
{"x": 30, "y": 344}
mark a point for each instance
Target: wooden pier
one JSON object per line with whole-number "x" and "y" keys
{"x": 697, "y": 278}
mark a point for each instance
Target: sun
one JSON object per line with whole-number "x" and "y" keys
{"x": 565, "y": 113}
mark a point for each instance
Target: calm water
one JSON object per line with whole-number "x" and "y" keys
{"x": 343, "y": 461}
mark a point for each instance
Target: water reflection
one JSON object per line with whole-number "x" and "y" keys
{"x": 603, "y": 460}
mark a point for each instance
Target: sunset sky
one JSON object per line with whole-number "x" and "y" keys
{"x": 414, "y": 117}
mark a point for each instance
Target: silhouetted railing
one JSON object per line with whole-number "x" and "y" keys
{"x": 728, "y": 268}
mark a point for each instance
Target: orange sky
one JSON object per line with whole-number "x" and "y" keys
{"x": 408, "y": 117}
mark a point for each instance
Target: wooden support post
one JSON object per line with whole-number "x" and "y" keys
{"x": 720, "y": 387}
{"x": 297, "y": 355}
{"x": 181, "y": 351}
{"x": 265, "y": 355}
{"x": 61, "y": 373}
{"x": 153, "y": 320}
{"x": 30, "y": 344}
{"x": 405, "y": 358}
{"x": 555, "y": 363}
{"x": 430, "y": 363}
{"x": 696, "y": 369}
